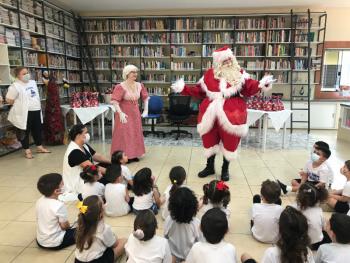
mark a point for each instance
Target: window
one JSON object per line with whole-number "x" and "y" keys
{"x": 336, "y": 70}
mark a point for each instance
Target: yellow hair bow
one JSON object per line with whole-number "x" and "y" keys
{"x": 82, "y": 208}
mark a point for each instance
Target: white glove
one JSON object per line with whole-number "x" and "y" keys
{"x": 178, "y": 86}
{"x": 122, "y": 117}
{"x": 145, "y": 108}
{"x": 144, "y": 114}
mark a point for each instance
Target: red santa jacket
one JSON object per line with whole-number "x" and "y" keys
{"x": 222, "y": 102}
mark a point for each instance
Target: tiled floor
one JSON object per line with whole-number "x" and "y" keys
{"x": 18, "y": 193}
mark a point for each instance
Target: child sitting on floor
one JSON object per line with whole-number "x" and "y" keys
{"x": 95, "y": 239}
{"x": 214, "y": 227}
{"x": 143, "y": 244}
{"x": 338, "y": 229}
{"x": 316, "y": 171}
{"x": 177, "y": 177}
{"x": 53, "y": 229}
{"x": 181, "y": 228}
{"x": 91, "y": 184}
{"x": 266, "y": 214}
{"x": 339, "y": 200}
{"x": 118, "y": 201}
{"x": 119, "y": 157}
{"x": 216, "y": 194}
{"x": 146, "y": 192}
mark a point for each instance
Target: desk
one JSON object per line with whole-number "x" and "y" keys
{"x": 278, "y": 120}
{"x": 88, "y": 114}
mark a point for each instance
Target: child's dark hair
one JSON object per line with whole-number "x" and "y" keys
{"x": 321, "y": 144}
{"x": 113, "y": 172}
{"x": 117, "y": 156}
{"x": 183, "y": 205}
{"x": 88, "y": 221}
{"x": 214, "y": 225}
{"x": 271, "y": 191}
{"x": 340, "y": 225}
{"x": 143, "y": 182}
{"x": 76, "y": 130}
{"x": 177, "y": 177}
{"x": 293, "y": 236}
{"x": 217, "y": 192}
{"x": 147, "y": 222}
{"x": 308, "y": 195}
{"x": 89, "y": 174}
{"x": 347, "y": 164}
{"x": 325, "y": 152}
{"x": 48, "y": 183}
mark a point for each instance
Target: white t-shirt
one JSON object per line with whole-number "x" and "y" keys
{"x": 321, "y": 173}
{"x": 126, "y": 173}
{"x": 266, "y": 218}
{"x": 31, "y": 91}
{"x": 316, "y": 222}
{"x": 273, "y": 255}
{"x": 95, "y": 188}
{"x": 49, "y": 213}
{"x": 155, "y": 250}
{"x": 143, "y": 202}
{"x": 104, "y": 238}
{"x": 204, "y": 252}
{"x": 115, "y": 200}
{"x": 333, "y": 253}
{"x": 346, "y": 190}
{"x": 181, "y": 237}
{"x": 209, "y": 206}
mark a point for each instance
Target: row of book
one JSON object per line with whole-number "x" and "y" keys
{"x": 243, "y": 37}
{"x": 186, "y": 77}
{"x": 158, "y": 91}
{"x": 153, "y": 51}
{"x": 8, "y": 17}
{"x": 218, "y": 37}
{"x": 53, "y": 14}
{"x": 277, "y": 64}
{"x": 99, "y": 51}
{"x": 96, "y": 25}
{"x": 279, "y": 36}
{"x": 184, "y": 24}
{"x": 15, "y": 57}
{"x": 302, "y": 51}
{"x": 73, "y": 77}
{"x": 73, "y": 64}
{"x": 250, "y": 23}
{"x": 31, "y": 6}
{"x": 32, "y": 24}
{"x": 277, "y": 50}
{"x": 194, "y": 37}
{"x": 120, "y": 25}
{"x": 153, "y": 64}
{"x": 118, "y": 64}
{"x": 182, "y": 65}
{"x": 214, "y": 23}
{"x": 71, "y": 37}
{"x": 54, "y": 45}
{"x": 124, "y": 38}
{"x": 54, "y": 30}
{"x": 249, "y": 50}
{"x": 72, "y": 50}
{"x": 56, "y": 61}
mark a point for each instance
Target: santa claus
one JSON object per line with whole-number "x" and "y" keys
{"x": 223, "y": 112}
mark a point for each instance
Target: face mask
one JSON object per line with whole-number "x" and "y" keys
{"x": 26, "y": 77}
{"x": 87, "y": 138}
{"x": 314, "y": 157}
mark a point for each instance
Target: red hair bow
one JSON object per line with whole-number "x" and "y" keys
{"x": 93, "y": 168}
{"x": 221, "y": 186}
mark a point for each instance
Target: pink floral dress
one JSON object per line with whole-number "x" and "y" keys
{"x": 128, "y": 137}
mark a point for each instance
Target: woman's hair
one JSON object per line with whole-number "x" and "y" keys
{"x": 308, "y": 195}
{"x": 89, "y": 174}
{"x": 340, "y": 225}
{"x": 145, "y": 225}
{"x": 214, "y": 225}
{"x": 217, "y": 192}
{"x": 127, "y": 69}
{"x": 113, "y": 172}
{"x": 177, "y": 177}
{"x": 48, "y": 183}
{"x": 18, "y": 70}
{"x": 183, "y": 205}
{"x": 143, "y": 182}
{"x": 117, "y": 156}
{"x": 293, "y": 236}
{"x": 88, "y": 221}
{"x": 271, "y": 191}
{"x": 76, "y": 130}
{"x": 347, "y": 164}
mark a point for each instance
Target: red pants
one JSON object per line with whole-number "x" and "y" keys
{"x": 217, "y": 139}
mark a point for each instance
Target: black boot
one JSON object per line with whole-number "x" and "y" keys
{"x": 225, "y": 176}
{"x": 209, "y": 168}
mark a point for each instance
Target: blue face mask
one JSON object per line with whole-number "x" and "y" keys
{"x": 26, "y": 77}
{"x": 314, "y": 157}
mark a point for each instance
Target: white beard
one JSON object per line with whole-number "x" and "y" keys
{"x": 231, "y": 73}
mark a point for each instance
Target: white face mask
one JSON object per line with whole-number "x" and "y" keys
{"x": 26, "y": 77}
{"x": 314, "y": 157}
{"x": 87, "y": 138}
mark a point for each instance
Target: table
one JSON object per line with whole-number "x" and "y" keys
{"x": 278, "y": 120}
{"x": 88, "y": 114}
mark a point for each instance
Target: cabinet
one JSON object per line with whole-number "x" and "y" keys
{"x": 344, "y": 122}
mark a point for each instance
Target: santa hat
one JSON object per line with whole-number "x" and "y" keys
{"x": 222, "y": 54}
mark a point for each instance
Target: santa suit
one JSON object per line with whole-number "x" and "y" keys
{"x": 223, "y": 112}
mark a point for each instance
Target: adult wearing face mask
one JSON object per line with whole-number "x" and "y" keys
{"x": 79, "y": 154}
{"x": 25, "y": 113}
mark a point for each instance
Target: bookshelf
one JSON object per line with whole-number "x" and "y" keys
{"x": 40, "y": 36}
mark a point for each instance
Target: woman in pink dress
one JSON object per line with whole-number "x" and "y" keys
{"x": 128, "y": 135}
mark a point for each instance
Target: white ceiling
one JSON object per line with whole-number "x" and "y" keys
{"x": 130, "y": 5}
